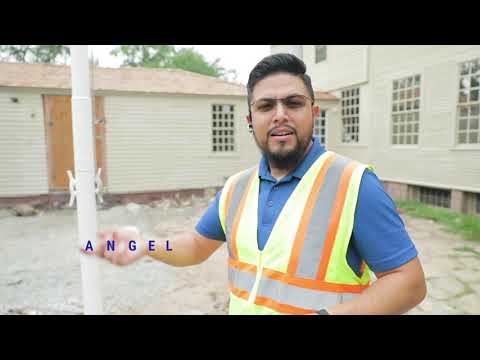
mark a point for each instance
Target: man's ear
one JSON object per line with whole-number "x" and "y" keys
{"x": 249, "y": 120}
{"x": 316, "y": 111}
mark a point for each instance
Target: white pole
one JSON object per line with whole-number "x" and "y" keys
{"x": 85, "y": 174}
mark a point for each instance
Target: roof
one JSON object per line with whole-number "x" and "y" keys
{"x": 146, "y": 80}
{"x": 322, "y": 95}
{"x": 168, "y": 81}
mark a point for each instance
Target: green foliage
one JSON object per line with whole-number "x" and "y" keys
{"x": 50, "y": 54}
{"x": 466, "y": 225}
{"x": 145, "y": 55}
{"x": 166, "y": 56}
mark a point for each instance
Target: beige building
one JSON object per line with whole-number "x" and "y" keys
{"x": 412, "y": 111}
{"x": 157, "y": 132}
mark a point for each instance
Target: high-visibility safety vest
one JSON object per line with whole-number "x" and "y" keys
{"x": 303, "y": 267}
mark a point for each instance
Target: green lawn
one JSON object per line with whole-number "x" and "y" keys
{"x": 466, "y": 225}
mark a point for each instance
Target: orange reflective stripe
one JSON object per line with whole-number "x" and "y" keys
{"x": 306, "y": 216}
{"x": 272, "y": 304}
{"x": 242, "y": 266}
{"x": 313, "y": 284}
{"x": 335, "y": 220}
{"x": 238, "y": 215}
{"x": 283, "y": 308}
{"x": 238, "y": 292}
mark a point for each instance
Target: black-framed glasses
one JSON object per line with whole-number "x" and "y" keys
{"x": 291, "y": 102}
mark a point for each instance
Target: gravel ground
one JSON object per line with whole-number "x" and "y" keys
{"x": 40, "y": 266}
{"x": 40, "y": 272}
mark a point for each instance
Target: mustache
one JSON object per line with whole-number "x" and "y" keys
{"x": 282, "y": 126}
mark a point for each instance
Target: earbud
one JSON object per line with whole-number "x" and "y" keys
{"x": 250, "y": 128}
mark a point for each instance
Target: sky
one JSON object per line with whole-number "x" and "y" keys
{"x": 241, "y": 58}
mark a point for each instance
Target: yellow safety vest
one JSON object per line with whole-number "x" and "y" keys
{"x": 303, "y": 267}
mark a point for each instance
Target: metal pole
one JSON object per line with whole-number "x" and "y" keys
{"x": 85, "y": 176}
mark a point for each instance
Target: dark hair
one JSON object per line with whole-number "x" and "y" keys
{"x": 278, "y": 63}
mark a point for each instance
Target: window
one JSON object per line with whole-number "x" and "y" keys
{"x": 351, "y": 115}
{"x": 468, "y": 107}
{"x": 223, "y": 128}
{"x": 320, "y": 53}
{"x": 320, "y": 128}
{"x": 435, "y": 197}
{"x": 478, "y": 203}
{"x": 406, "y": 110}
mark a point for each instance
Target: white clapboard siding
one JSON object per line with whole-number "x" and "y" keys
{"x": 163, "y": 142}
{"x": 344, "y": 66}
{"x": 289, "y": 49}
{"x": 436, "y": 161}
{"x": 23, "y": 154}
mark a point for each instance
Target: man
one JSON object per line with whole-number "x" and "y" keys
{"x": 306, "y": 227}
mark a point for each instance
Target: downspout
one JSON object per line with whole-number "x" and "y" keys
{"x": 83, "y": 149}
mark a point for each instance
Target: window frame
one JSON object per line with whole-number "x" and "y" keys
{"x": 316, "y": 49}
{"x": 357, "y": 142}
{"x": 234, "y": 129}
{"x": 456, "y": 144}
{"x": 405, "y": 77}
{"x": 325, "y": 111}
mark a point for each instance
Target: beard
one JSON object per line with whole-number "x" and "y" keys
{"x": 283, "y": 158}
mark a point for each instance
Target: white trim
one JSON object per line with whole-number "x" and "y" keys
{"x": 438, "y": 186}
{"x": 319, "y": 117}
{"x": 235, "y": 128}
{"x": 353, "y": 85}
{"x": 359, "y": 106}
{"x": 466, "y": 147}
{"x": 405, "y": 146}
{"x": 455, "y": 144}
{"x": 421, "y": 111}
{"x": 347, "y": 145}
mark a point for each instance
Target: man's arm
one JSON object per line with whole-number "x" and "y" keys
{"x": 382, "y": 241}
{"x": 189, "y": 248}
{"x": 395, "y": 292}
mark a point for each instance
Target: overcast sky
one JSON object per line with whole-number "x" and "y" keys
{"x": 241, "y": 58}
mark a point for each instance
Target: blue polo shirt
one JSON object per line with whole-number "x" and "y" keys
{"x": 379, "y": 236}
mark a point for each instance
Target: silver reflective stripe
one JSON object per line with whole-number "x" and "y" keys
{"x": 238, "y": 191}
{"x": 242, "y": 280}
{"x": 310, "y": 256}
{"x": 287, "y": 294}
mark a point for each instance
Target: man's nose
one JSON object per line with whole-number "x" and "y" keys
{"x": 280, "y": 111}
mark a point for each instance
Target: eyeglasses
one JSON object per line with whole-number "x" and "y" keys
{"x": 292, "y": 102}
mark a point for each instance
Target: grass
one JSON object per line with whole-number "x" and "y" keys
{"x": 467, "y": 249}
{"x": 468, "y": 226}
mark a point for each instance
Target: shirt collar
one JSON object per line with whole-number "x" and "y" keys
{"x": 313, "y": 154}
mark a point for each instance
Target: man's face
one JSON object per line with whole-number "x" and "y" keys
{"x": 282, "y": 130}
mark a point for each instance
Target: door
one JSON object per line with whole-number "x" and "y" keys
{"x": 59, "y": 136}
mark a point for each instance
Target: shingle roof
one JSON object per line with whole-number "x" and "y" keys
{"x": 170, "y": 81}
{"x": 322, "y": 95}
{"x": 167, "y": 81}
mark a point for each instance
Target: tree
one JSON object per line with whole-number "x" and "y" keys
{"x": 145, "y": 55}
{"x": 50, "y": 54}
{"x": 166, "y": 56}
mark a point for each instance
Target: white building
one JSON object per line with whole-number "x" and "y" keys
{"x": 412, "y": 111}
{"x": 158, "y": 132}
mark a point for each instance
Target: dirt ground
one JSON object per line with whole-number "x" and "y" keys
{"x": 40, "y": 266}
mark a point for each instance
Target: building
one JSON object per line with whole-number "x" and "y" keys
{"x": 412, "y": 111}
{"x": 158, "y": 132}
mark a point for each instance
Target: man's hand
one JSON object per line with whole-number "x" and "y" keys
{"x": 125, "y": 251}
